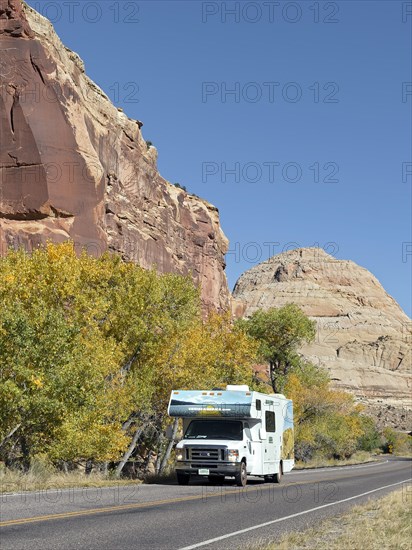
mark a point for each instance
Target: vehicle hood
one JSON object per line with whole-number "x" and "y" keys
{"x": 210, "y": 443}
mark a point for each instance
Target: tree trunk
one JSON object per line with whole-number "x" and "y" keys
{"x": 147, "y": 461}
{"x": 26, "y": 453}
{"x": 125, "y": 368}
{"x": 132, "y": 418}
{"x": 273, "y": 377}
{"x": 129, "y": 451}
{"x": 169, "y": 447}
{"x": 158, "y": 448}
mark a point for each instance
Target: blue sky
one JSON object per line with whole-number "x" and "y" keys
{"x": 310, "y": 147}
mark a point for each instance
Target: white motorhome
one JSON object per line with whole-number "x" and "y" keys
{"x": 234, "y": 432}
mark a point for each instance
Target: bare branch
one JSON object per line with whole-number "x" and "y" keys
{"x": 13, "y": 431}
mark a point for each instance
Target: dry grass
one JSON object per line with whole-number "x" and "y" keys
{"x": 360, "y": 457}
{"x": 169, "y": 476}
{"x": 382, "y": 524}
{"x": 43, "y": 475}
{"x": 12, "y": 481}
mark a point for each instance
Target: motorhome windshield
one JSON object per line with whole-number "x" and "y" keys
{"x": 215, "y": 429}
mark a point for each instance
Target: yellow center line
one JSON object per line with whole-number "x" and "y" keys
{"x": 93, "y": 511}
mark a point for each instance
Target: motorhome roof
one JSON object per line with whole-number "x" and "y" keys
{"x": 225, "y": 403}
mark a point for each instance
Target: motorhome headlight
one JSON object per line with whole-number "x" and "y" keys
{"x": 179, "y": 454}
{"x": 233, "y": 455}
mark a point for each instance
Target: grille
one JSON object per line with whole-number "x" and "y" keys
{"x": 204, "y": 454}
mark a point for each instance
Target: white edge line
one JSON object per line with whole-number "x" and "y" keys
{"x": 217, "y": 539}
{"x": 340, "y": 468}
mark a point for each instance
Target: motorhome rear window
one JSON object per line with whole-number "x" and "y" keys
{"x": 270, "y": 421}
{"x": 215, "y": 429}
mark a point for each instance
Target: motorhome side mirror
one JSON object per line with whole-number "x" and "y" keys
{"x": 262, "y": 433}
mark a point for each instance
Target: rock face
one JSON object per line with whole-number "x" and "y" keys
{"x": 363, "y": 337}
{"x": 73, "y": 166}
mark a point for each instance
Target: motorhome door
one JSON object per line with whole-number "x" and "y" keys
{"x": 270, "y": 444}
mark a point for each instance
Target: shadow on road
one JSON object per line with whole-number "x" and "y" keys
{"x": 203, "y": 481}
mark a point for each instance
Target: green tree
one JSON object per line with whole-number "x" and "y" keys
{"x": 280, "y": 332}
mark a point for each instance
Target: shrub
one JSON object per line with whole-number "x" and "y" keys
{"x": 371, "y": 439}
{"x": 41, "y": 467}
{"x": 328, "y": 423}
{"x": 180, "y": 186}
{"x": 396, "y": 442}
{"x": 304, "y": 451}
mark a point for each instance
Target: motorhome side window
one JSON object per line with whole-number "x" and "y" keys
{"x": 270, "y": 421}
{"x": 258, "y": 405}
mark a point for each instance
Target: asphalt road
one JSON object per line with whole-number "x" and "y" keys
{"x": 197, "y": 516}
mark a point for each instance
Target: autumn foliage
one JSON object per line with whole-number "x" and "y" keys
{"x": 91, "y": 348}
{"x": 327, "y": 421}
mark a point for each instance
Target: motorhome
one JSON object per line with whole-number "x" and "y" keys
{"x": 234, "y": 432}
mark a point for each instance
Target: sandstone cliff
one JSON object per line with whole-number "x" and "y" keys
{"x": 363, "y": 337}
{"x": 73, "y": 166}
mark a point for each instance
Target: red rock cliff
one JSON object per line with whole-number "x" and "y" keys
{"x": 72, "y": 166}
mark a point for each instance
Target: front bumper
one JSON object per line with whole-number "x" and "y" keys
{"x": 215, "y": 468}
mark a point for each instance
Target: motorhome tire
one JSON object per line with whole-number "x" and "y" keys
{"x": 182, "y": 479}
{"x": 277, "y": 478}
{"x": 241, "y": 475}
